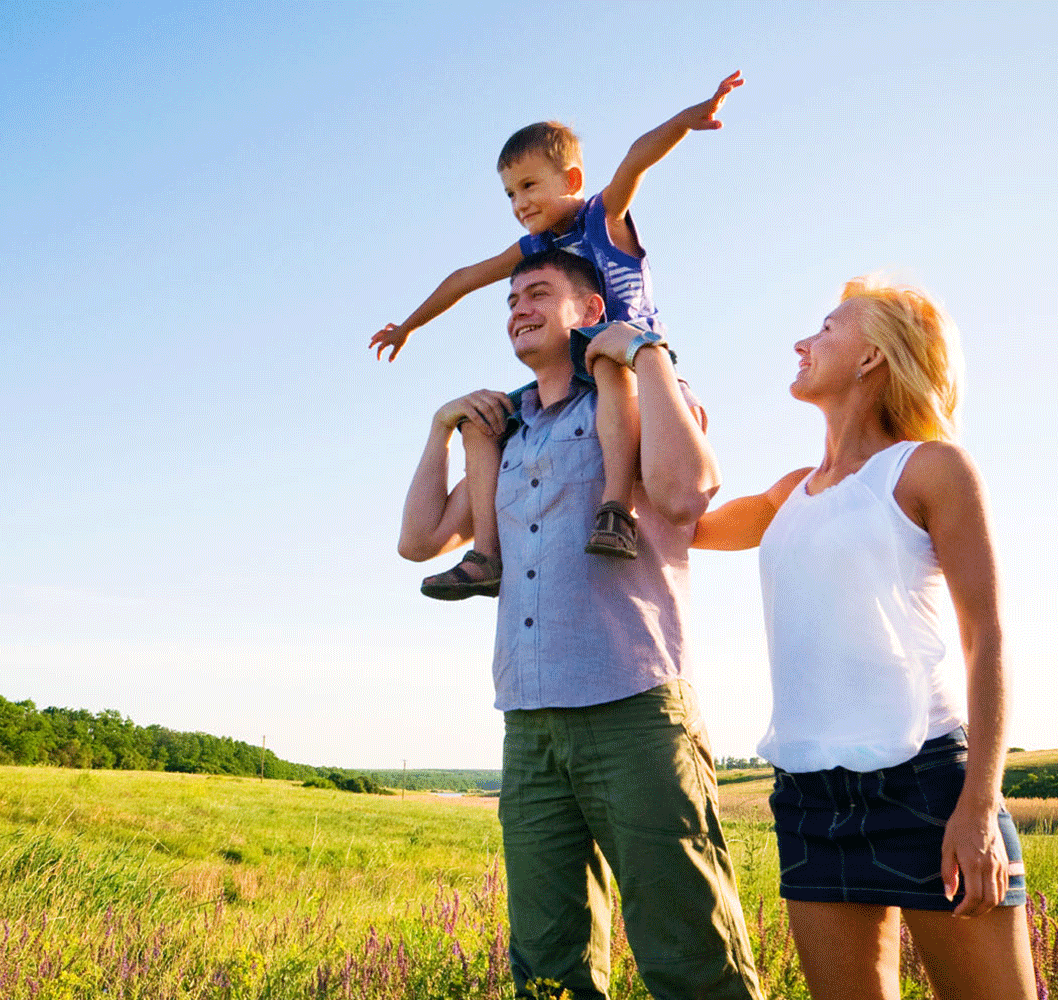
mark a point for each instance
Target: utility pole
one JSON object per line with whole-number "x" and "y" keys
{"x": 262, "y": 757}
{"x": 403, "y": 780}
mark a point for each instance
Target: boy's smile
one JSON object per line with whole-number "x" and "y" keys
{"x": 543, "y": 197}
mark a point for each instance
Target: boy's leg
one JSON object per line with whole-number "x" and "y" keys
{"x": 617, "y": 424}
{"x": 558, "y": 884}
{"x": 479, "y": 571}
{"x": 648, "y": 790}
{"x": 482, "y": 470}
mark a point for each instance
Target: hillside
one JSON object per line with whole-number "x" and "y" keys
{"x": 67, "y": 737}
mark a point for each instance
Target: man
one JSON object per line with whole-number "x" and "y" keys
{"x": 606, "y": 765}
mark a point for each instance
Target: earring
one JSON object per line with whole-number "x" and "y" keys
{"x": 859, "y": 376}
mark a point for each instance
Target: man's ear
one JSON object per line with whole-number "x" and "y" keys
{"x": 574, "y": 180}
{"x": 594, "y": 309}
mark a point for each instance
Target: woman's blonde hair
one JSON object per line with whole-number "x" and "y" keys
{"x": 920, "y": 344}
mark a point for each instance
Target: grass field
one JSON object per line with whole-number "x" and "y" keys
{"x": 153, "y": 885}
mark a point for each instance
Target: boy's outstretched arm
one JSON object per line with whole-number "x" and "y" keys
{"x": 651, "y": 147}
{"x": 447, "y": 294}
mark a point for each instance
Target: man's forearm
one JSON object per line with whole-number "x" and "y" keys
{"x": 679, "y": 467}
{"x": 431, "y": 514}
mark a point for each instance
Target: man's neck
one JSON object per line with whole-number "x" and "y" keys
{"x": 553, "y": 383}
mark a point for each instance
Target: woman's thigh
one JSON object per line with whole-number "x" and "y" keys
{"x": 987, "y": 957}
{"x": 847, "y": 949}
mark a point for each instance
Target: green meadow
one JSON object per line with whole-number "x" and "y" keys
{"x": 161, "y": 885}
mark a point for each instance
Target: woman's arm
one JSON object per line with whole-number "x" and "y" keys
{"x": 740, "y": 524}
{"x": 942, "y": 491}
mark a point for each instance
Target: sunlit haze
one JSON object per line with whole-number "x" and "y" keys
{"x": 208, "y": 209}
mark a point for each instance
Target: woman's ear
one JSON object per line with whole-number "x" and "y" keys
{"x": 871, "y": 359}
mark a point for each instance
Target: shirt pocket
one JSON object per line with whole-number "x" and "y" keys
{"x": 510, "y": 484}
{"x": 578, "y": 451}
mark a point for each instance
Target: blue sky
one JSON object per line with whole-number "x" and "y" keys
{"x": 207, "y": 209}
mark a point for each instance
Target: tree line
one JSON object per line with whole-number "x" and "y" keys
{"x": 69, "y": 737}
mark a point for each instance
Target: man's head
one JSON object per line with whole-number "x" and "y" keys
{"x": 543, "y": 175}
{"x": 551, "y": 292}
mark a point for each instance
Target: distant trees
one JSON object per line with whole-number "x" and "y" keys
{"x": 434, "y": 780}
{"x": 737, "y": 763}
{"x": 68, "y": 737}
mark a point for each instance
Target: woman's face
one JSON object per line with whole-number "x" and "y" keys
{"x": 830, "y": 359}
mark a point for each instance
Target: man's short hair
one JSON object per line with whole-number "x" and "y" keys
{"x": 580, "y": 271}
{"x": 550, "y": 139}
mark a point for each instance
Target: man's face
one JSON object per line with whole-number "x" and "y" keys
{"x": 544, "y": 305}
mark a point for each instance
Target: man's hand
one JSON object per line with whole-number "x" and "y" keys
{"x": 391, "y": 335}
{"x": 610, "y": 343}
{"x": 703, "y": 116}
{"x": 485, "y": 409}
{"x": 974, "y": 846}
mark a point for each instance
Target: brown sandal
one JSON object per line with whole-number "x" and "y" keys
{"x": 457, "y": 584}
{"x": 615, "y": 532}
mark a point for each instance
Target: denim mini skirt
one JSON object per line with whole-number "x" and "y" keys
{"x": 875, "y": 836}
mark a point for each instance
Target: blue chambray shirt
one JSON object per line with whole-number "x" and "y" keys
{"x": 575, "y": 629}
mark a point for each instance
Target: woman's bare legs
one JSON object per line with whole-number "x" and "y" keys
{"x": 847, "y": 949}
{"x": 987, "y": 957}
{"x": 853, "y": 950}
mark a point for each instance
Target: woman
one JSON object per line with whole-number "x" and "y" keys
{"x": 883, "y": 804}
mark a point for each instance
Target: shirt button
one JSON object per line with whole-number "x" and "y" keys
{"x": 528, "y": 622}
{"x": 535, "y": 482}
{"x": 534, "y": 527}
{"x": 505, "y": 464}
{"x": 531, "y": 574}
{"x": 579, "y": 431}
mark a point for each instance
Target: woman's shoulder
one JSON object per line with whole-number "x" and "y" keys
{"x": 936, "y": 472}
{"x": 780, "y": 492}
{"x": 939, "y": 460}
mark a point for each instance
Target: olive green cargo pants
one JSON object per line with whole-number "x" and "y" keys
{"x": 628, "y": 786}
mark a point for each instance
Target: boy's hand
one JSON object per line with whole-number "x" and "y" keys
{"x": 485, "y": 409}
{"x": 703, "y": 116}
{"x": 392, "y": 336}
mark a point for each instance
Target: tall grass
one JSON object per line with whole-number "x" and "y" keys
{"x": 125, "y": 885}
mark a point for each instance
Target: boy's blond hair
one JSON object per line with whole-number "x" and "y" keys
{"x": 920, "y": 344}
{"x": 553, "y": 140}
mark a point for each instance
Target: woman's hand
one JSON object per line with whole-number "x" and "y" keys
{"x": 974, "y": 847}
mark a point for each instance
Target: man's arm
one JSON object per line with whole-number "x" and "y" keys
{"x": 651, "y": 147}
{"x": 435, "y": 520}
{"x": 447, "y": 294}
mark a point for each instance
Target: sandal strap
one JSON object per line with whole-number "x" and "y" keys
{"x": 608, "y": 514}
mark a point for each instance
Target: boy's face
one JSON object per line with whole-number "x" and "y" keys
{"x": 543, "y": 196}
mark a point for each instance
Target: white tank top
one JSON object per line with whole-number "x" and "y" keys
{"x": 851, "y": 590}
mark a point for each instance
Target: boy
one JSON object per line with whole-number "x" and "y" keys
{"x": 542, "y": 173}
